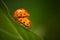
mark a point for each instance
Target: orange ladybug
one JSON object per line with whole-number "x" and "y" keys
{"x": 22, "y": 16}
{"x": 25, "y": 22}
{"x": 21, "y": 13}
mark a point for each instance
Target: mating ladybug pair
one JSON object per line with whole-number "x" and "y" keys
{"x": 22, "y": 16}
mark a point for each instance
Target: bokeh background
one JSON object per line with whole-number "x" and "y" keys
{"x": 44, "y": 16}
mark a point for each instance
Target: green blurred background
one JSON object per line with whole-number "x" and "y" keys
{"x": 44, "y": 16}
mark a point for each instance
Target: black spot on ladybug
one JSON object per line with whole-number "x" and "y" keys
{"x": 19, "y": 17}
{"x": 21, "y": 13}
{"x": 24, "y": 13}
{"x": 20, "y": 20}
{"x": 24, "y": 22}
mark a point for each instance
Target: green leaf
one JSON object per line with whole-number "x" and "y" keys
{"x": 11, "y": 30}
